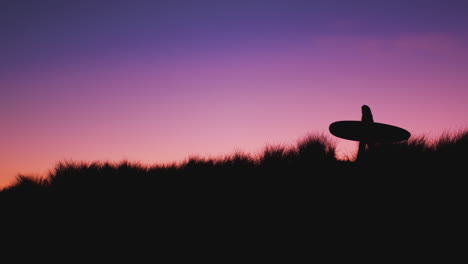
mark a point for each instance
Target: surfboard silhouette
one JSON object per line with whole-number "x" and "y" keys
{"x": 368, "y": 132}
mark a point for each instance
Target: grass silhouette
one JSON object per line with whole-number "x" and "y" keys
{"x": 312, "y": 158}
{"x": 283, "y": 195}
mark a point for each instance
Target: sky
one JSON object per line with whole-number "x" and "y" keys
{"x": 159, "y": 81}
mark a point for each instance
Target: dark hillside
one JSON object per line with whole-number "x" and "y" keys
{"x": 398, "y": 194}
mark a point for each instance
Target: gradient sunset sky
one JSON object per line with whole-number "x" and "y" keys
{"x": 159, "y": 81}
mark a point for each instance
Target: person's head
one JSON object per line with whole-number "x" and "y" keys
{"x": 366, "y": 110}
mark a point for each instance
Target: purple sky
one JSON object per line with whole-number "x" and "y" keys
{"x": 158, "y": 81}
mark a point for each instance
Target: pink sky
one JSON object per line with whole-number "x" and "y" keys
{"x": 159, "y": 81}
{"x": 156, "y": 112}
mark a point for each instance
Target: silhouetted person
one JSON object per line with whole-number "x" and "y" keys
{"x": 367, "y": 118}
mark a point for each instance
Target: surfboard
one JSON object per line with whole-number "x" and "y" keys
{"x": 368, "y": 132}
